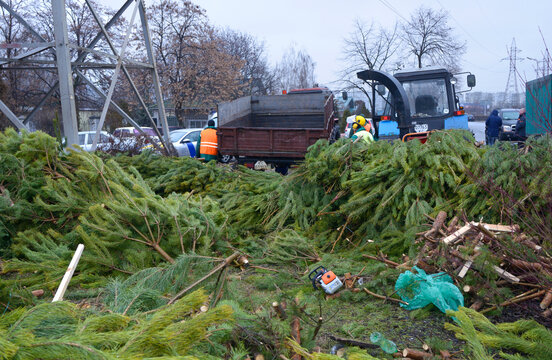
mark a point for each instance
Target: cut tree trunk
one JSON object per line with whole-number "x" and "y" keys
{"x": 547, "y": 300}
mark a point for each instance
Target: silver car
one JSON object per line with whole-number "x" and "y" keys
{"x": 86, "y": 138}
{"x": 185, "y": 141}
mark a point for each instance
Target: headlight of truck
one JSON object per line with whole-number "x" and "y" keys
{"x": 506, "y": 128}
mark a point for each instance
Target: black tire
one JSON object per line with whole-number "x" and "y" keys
{"x": 225, "y": 159}
{"x": 282, "y": 169}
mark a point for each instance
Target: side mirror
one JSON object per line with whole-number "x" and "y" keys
{"x": 471, "y": 80}
{"x": 381, "y": 89}
{"x": 344, "y": 95}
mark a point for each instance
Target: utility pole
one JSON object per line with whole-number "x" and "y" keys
{"x": 541, "y": 70}
{"x": 65, "y": 74}
{"x": 65, "y": 70}
{"x": 511, "y": 93}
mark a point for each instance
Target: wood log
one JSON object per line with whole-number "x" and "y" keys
{"x": 532, "y": 245}
{"x": 505, "y": 274}
{"x": 547, "y": 300}
{"x": 439, "y": 221}
{"x": 468, "y": 289}
{"x": 484, "y": 230}
{"x": 452, "y": 225}
{"x": 547, "y": 313}
{"x": 38, "y": 293}
{"x": 519, "y": 238}
{"x": 478, "y": 304}
{"x": 242, "y": 261}
{"x": 525, "y": 265}
{"x": 464, "y": 269}
{"x": 259, "y": 357}
{"x": 416, "y": 354}
{"x": 451, "y": 239}
{"x": 501, "y": 228}
{"x": 445, "y": 354}
{"x": 469, "y": 263}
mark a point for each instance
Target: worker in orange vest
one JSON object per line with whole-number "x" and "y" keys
{"x": 207, "y": 143}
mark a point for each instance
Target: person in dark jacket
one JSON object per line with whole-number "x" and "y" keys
{"x": 336, "y": 134}
{"x": 492, "y": 127}
{"x": 520, "y": 125}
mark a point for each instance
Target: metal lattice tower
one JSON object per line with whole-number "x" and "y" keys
{"x": 511, "y": 93}
{"x": 67, "y": 69}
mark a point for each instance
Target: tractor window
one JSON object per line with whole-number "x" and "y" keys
{"x": 428, "y": 98}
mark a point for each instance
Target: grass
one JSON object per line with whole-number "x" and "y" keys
{"x": 351, "y": 315}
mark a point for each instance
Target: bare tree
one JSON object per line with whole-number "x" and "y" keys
{"x": 295, "y": 70}
{"x": 11, "y": 31}
{"x": 369, "y": 47}
{"x": 194, "y": 67}
{"x": 256, "y": 73}
{"x": 429, "y": 37}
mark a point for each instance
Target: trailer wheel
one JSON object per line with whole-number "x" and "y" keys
{"x": 282, "y": 169}
{"x": 225, "y": 159}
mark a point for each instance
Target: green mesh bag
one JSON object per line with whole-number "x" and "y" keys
{"x": 420, "y": 289}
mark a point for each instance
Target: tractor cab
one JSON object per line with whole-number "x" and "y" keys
{"x": 417, "y": 102}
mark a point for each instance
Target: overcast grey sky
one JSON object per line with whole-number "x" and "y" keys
{"x": 320, "y": 26}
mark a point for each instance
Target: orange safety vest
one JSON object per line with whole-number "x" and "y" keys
{"x": 209, "y": 143}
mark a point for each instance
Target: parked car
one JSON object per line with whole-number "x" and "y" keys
{"x": 130, "y": 139}
{"x": 471, "y": 117}
{"x": 509, "y": 119}
{"x": 131, "y": 131}
{"x": 86, "y": 138}
{"x": 185, "y": 141}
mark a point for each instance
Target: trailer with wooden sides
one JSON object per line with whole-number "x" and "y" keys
{"x": 276, "y": 129}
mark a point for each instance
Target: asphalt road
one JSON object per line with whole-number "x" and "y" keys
{"x": 478, "y": 129}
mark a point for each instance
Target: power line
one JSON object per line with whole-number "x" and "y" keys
{"x": 468, "y": 33}
{"x": 392, "y": 8}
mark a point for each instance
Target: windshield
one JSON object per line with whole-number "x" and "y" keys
{"x": 175, "y": 136}
{"x": 427, "y": 98}
{"x": 510, "y": 115}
